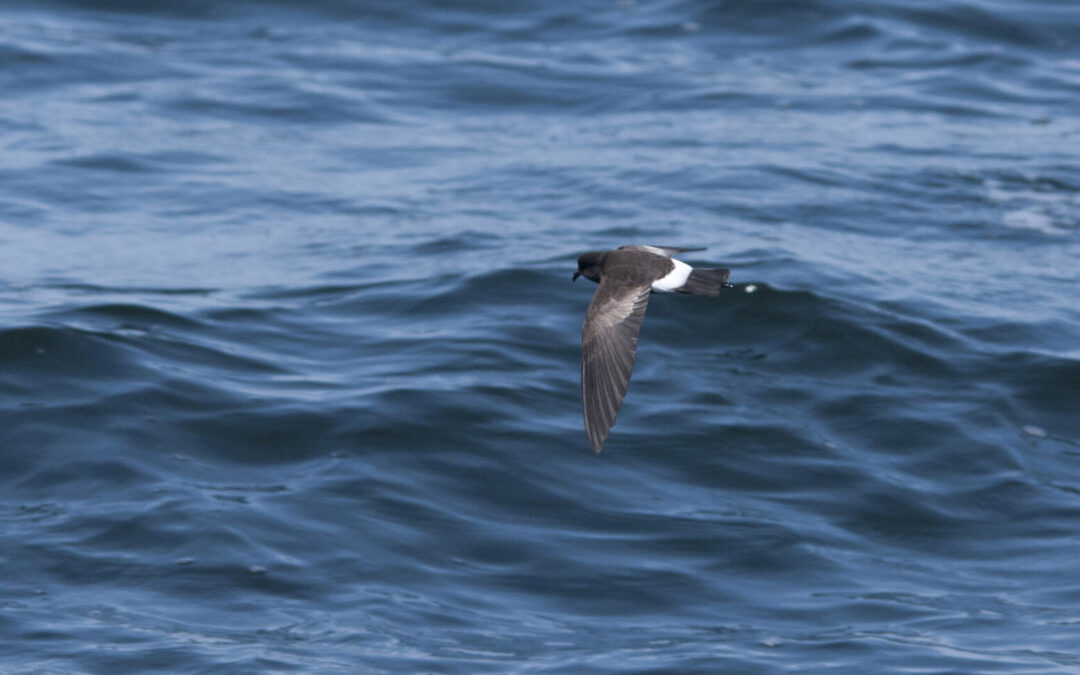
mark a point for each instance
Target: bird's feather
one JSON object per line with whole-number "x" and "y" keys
{"x": 608, "y": 350}
{"x": 666, "y": 251}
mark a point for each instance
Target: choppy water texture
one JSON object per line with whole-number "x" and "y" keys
{"x": 289, "y": 348}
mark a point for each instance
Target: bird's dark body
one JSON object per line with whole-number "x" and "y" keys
{"x": 625, "y": 267}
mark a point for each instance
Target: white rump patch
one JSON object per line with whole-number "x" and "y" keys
{"x": 676, "y": 278}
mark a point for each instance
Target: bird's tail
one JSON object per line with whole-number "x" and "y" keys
{"x": 705, "y": 282}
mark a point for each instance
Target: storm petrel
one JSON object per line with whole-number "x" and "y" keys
{"x": 609, "y": 339}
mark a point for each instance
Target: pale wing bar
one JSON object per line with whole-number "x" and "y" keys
{"x": 667, "y": 251}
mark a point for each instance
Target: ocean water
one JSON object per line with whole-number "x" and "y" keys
{"x": 289, "y": 350}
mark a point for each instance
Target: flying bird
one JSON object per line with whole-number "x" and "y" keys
{"x": 626, "y": 276}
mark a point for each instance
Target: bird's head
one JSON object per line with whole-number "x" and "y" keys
{"x": 588, "y": 266}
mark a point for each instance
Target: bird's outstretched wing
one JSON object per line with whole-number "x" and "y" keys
{"x": 666, "y": 251}
{"x": 608, "y": 349}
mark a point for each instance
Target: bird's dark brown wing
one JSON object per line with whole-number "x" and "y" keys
{"x": 608, "y": 349}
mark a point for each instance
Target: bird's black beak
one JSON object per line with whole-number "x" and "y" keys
{"x": 576, "y": 275}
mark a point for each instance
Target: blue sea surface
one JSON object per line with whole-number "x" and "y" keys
{"x": 290, "y": 352}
